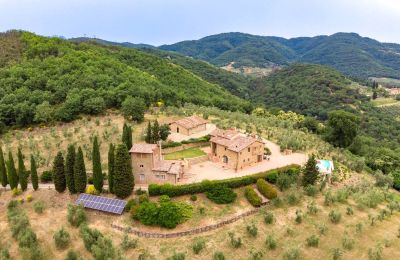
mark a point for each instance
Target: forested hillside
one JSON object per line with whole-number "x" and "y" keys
{"x": 353, "y": 55}
{"x": 54, "y": 79}
{"x": 312, "y": 90}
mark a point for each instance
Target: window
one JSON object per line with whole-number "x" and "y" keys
{"x": 160, "y": 177}
{"x": 248, "y": 149}
{"x": 225, "y": 148}
{"x": 141, "y": 177}
{"x": 141, "y": 166}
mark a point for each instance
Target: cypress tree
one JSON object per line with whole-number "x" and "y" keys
{"x": 97, "y": 172}
{"x": 59, "y": 173}
{"x": 130, "y": 142}
{"x": 80, "y": 178}
{"x": 149, "y": 136}
{"x": 156, "y": 132}
{"x": 3, "y": 170}
{"x": 34, "y": 175}
{"x": 111, "y": 168}
{"x": 69, "y": 168}
{"x": 22, "y": 174}
{"x": 123, "y": 177}
{"x": 310, "y": 172}
{"x": 12, "y": 172}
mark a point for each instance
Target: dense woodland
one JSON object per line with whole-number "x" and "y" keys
{"x": 51, "y": 78}
{"x": 353, "y": 55}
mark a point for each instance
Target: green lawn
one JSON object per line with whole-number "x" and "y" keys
{"x": 188, "y": 153}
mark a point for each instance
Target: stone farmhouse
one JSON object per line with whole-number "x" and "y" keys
{"x": 188, "y": 125}
{"x": 235, "y": 150}
{"x": 149, "y": 167}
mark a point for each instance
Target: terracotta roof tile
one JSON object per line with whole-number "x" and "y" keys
{"x": 227, "y": 134}
{"x": 191, "y": 122}
{"x": 236, "y": 144}
{"x": 143, "y": 148}
{"x": 168, "y": 166}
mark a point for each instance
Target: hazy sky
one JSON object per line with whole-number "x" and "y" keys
{"x": 168, "y": 21}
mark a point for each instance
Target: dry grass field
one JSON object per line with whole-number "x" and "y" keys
{"x": 289, "y": 235}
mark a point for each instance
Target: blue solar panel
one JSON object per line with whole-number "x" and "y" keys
{"x": 115, "y": 206}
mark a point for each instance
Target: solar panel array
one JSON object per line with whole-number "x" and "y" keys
{"x": 101, "y": 203}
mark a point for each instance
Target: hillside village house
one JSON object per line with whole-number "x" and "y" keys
{"x": 234, "y": 149}
{"x": 188, "y": 125}
{"x": 149, "y": 167}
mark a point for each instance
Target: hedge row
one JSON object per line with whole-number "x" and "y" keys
{"x": 266, "y": 189}
{"x": 190, "y": 141}
{"x": 252, "y": 196}
{"x": 207, "y": 185}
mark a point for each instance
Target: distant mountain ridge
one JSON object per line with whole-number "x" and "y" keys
{"x": 105, "y": 42}
{"x": 353, "y": 55}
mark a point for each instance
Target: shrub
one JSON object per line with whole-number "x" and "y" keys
{"x": 252, "y": 230}
{"x": 15, "y": 192}
{"x": 312, "y": 241}
{"x": 204, "y": 186}
{"x": 256, "y": 255}
{"x": 147, "y": 213}
{"x": 284, "y": 181}
{"x": 270, "y": 242}
{"x": 348, "y": 243}
{"x": 235, "y": 242}
{"x": 140, "y": 191}
{"x": 193, "y": 197}
{"x": 336, "y": 253}
{"x": 144, "y": 197}
{"x": 329, "y": 198}
{"x": 349, "y": 211}
{"x": 342, "y": 195}
{"x": 311, "y": 190}
{"x": 61, "y": 238}
{"x": 38, "y": 207}
{"x": 382, "y": 180}
{"x": 252, "y": 196}
{"x": 312, "y": 208}
{"x": 335, "y": 216}
{"x": 299, "y": 216}
{"x": 29, "y": 198}
{"x": 198, "y": 246}
{"x": 218, "y": 256}
{"x": 277, "y": 202}
{"x": 292, "y": 254}
{"x": 100, "y": 246}
{"x": 90, "y": 189}
{"x": 289, "y": 231}
{"x": 46, "y": 177}
{"x": 269, "y": 217}
{"x": 130, "y": 204}
{"x": 359, "y": 228}
{"x": 76, "y": 215}
{"x": 272, "y": 176}
{"x": 266, "y": 189}
{"x": 323, "y": 229}
{"x": 221, "y": 195}
{"x": 128, "y": 243}
{"x": 177, "y": 256}
{"x": 4, "y": 254}
{"x": 375, "y": 253}
{"x": 164, "y": 199}
{"x": 169, "y": 215}
{"x": 293, "y": 198}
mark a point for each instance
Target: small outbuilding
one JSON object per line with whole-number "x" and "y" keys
{"x": 189, "y": 125}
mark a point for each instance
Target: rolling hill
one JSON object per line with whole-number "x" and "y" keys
{"x": 61, "y": 79}
{"x": 353, "y": 55}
